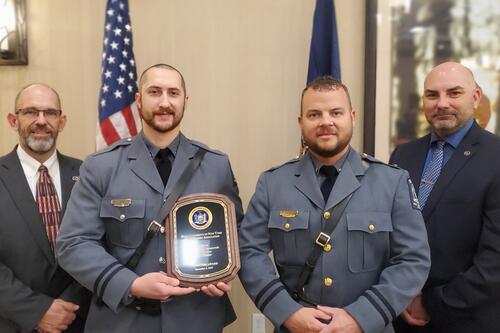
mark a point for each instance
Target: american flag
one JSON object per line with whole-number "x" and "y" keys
{"x": 118, "y": 115}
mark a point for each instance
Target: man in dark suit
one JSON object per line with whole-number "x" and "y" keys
{"x": 456, "y": 172}
{"x": 35, "y": 185}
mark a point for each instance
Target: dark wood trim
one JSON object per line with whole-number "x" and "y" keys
{"x": 370, "y": 76}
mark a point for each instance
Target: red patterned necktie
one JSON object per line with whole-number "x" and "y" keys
{"x": 48, "y": 204}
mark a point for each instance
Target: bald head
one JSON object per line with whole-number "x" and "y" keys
{"x": 450, "y": 97}
{"x": 37, "y": 89}
{"x": 38, "y": 120}
{"x": 451, "y": 71}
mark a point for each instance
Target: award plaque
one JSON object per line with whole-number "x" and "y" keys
{"x": 202, "y": 240}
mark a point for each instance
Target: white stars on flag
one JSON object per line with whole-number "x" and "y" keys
{"x": 118, "y": 115}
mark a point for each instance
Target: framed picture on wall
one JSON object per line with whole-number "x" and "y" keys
{"x": 405, "y": 40}
{"x": 13, "y": 35}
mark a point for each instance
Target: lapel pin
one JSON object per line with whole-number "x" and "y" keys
{"x": 467, "y": 153}
{"x": 75, "y": 178}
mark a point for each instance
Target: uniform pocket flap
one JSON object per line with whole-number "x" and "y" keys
{"x": 289, "y": 220}
{"x": 369, "y": 221}
{"x": 122, "y": 209}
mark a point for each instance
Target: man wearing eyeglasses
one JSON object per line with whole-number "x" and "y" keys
{"x": 35, "y": 184}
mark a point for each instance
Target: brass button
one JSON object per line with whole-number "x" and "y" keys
{"x": 327, "y": 248}
{"x": 327, "y": 281}
{"x": 371, "y": 227}
{"x": 122, "y": 217}
{"x": 326, "y": 215}
{"x": 287, "y": 225}
{"x": 162, "y": 260}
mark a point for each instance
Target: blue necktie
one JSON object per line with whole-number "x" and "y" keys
{"x": 431, "y": 174}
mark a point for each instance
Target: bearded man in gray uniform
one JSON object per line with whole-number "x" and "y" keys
{"x": 377, "y": 257}
{"x": 119, "y": 193}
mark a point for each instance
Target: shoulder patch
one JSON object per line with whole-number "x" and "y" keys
{"x": 204, "y": 146}
{"x": 413, "y": 195}
{"x": 371, "y": 159}
{"x": 294, "y": 160}
{"x": 119, "y": 143}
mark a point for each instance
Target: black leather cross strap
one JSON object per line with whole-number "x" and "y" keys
{"x": 148, "y": 306}
{"x": 157, "y": 226}
{"x": 319, "y": 245}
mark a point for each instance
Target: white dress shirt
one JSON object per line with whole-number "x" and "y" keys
{"x": 30, "y": 168}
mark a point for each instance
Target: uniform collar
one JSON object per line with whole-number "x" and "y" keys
{"x": 153, "y": 150}
{"x": 338, "y": 165}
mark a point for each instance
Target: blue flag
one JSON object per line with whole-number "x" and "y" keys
{"x": 324, "y": 54}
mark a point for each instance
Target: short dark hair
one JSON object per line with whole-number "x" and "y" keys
{"x": 325, "y": 82}
{"x": 32, "y": 85}
{"x": 165, "y": 66}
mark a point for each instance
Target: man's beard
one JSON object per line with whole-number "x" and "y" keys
{"x": 328, "y": 152}
{"x": 175, "y": 121}
{"x": 39, "y": 145}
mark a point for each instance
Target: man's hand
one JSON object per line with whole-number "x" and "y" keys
{"x": 58, "y": 317}
{"x": 158, "y": 286}
{"x": 415, "y": 313}
{"x": 219, "y": 289}
{"x": 306, "y": 320}
{"x": 342, "y": 322}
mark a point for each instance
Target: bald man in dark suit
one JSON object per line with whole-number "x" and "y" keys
{"x": 35, "y": 293}
{"x": 461, "y": 207}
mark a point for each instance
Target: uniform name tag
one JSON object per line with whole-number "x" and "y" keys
{"x": 289, "y": 213}
{"x": 121, "y": 202}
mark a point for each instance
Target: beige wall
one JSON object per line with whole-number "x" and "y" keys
{"x": 245, "y": 64}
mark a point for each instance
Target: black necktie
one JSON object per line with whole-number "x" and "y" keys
{"x": 163, "y": 164}
{"x": 331, "y": 176}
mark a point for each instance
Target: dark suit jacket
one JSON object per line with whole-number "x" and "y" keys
{"x": 462, "y": 215}
{"x": 30, "y": 278}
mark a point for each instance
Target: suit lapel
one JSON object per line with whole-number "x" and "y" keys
{"x": 69, "y": 174}
{"x": 307, "y": 182}
{"x": 184, "y": 154}
{"x": 142, "y": 164}
{"x": 464, "y": 152}
{"x": 416, "y": 167}
{"x": 12, "y": 175}
{"x": 347, "y": 181}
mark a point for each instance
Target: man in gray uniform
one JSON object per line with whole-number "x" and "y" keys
{"x": 375, "y": 260}
{"x": 119, "y": 193}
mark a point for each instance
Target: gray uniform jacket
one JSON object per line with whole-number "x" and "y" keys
{"x": 97, "y": 238}
{"x": 379, "y": 256}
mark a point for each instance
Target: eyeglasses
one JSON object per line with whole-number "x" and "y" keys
{"x": 33, "y": 113}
